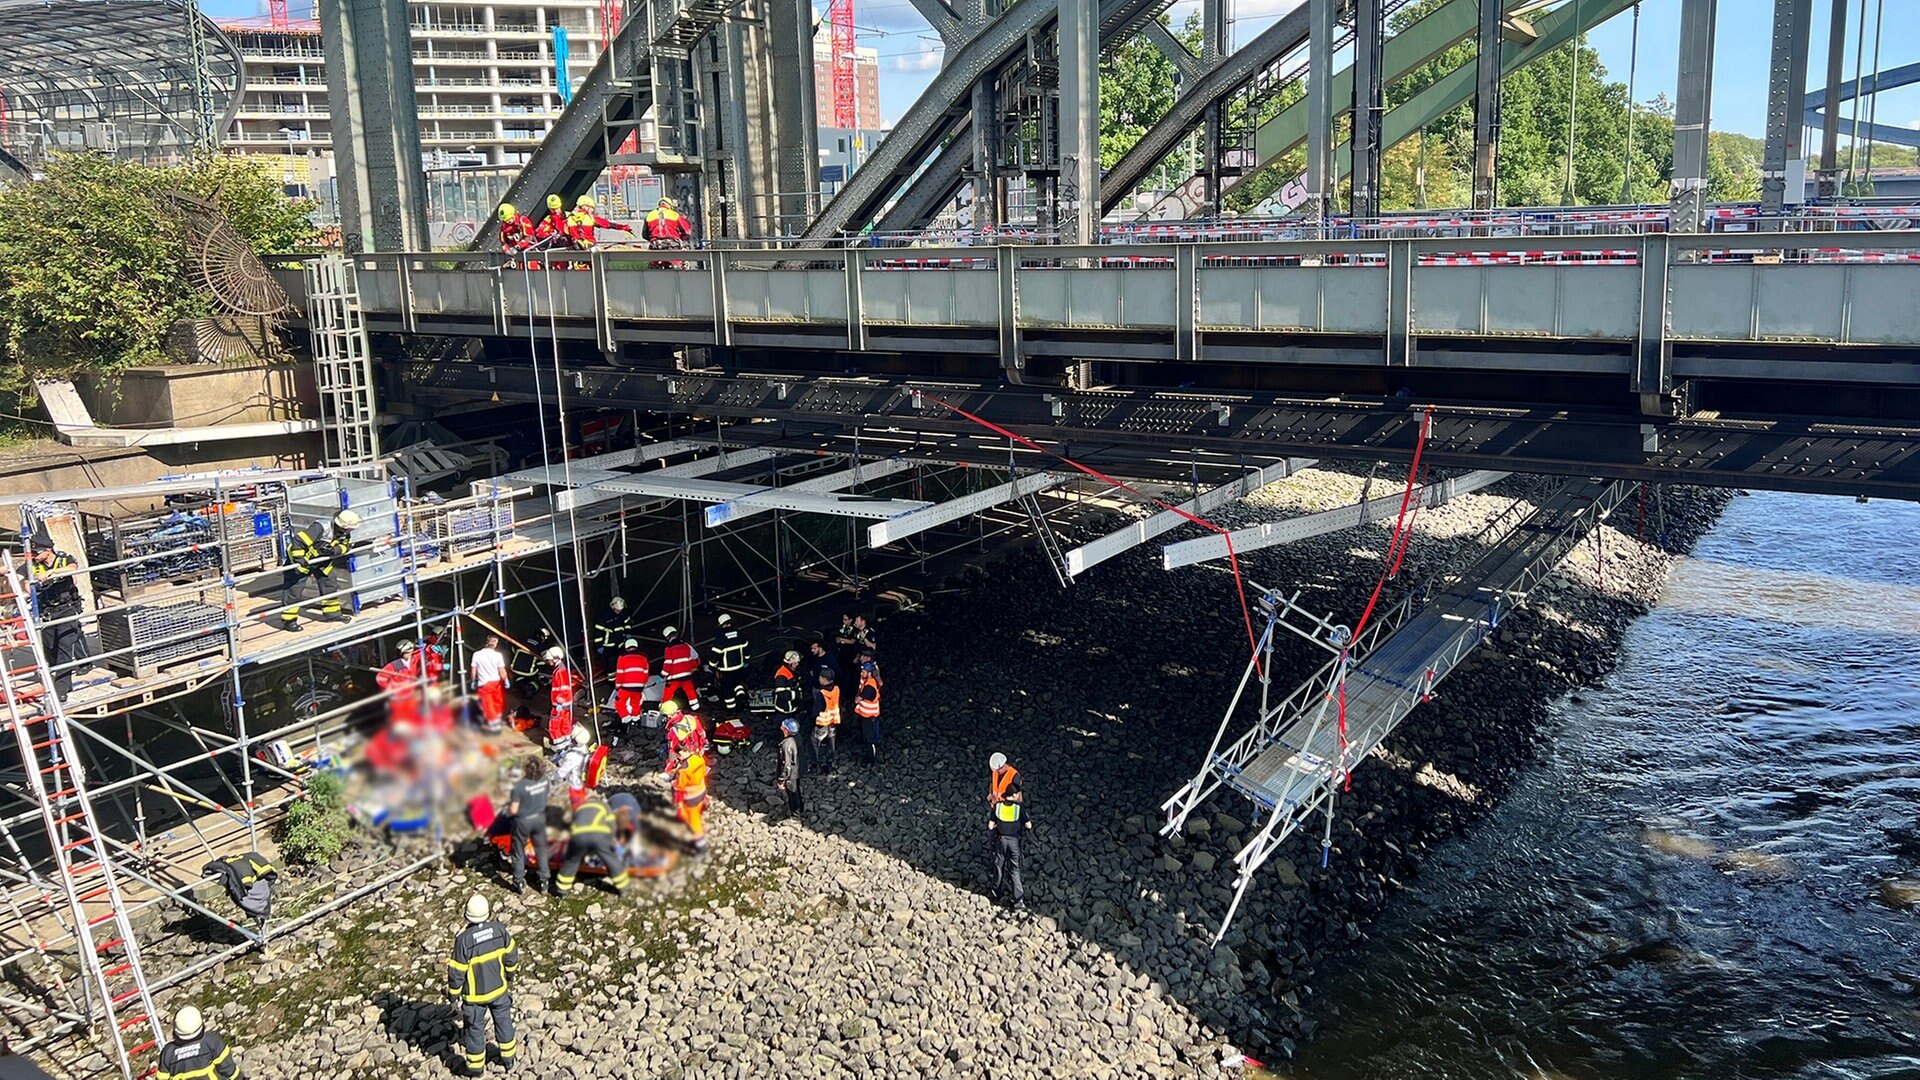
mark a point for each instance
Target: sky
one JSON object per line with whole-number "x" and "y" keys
{"x": 910, "y": 51}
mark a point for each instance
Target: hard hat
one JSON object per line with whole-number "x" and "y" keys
{"x": 554, "y": 655}
{"x": 630, "y": 643}
{"x": 554, "y": 202}
{"x": 584, "y": 202}
{"x": 346, "y": 519}
{"x": 724, "y": 749}
{"x": 667, "y": 203}
{"x": 997, "y": 762}
{"x": 792, "y": 657}
{"x": 669, "y": 708}
{"x": 187, "y": 1023}
{"x": 507, "y": 211}
{"x": 725, "y": 619}
{"x": 618, "y": 603}
{"x": 790, "y": 725}
{"x": 407, "y": 645}
{"x": 478, "y": 909}
{"x": 671, "y": 631}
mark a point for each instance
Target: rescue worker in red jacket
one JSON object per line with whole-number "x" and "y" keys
{"x": 586, "y": 223}
{"x": 678, "y": 665}
{"x": 554, "y": 230}
{"x": 516, "y": 230}
{"x": 400, "y": 679}
{"x": 666, "y": 222}
{"x": 630, "y": 674}
{"x": 560, "y": 697}
{"x": 685, "y": 734}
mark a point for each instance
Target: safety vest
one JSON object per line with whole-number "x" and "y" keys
{"x": 593, "y": 818}
{"x": 1002, "y": 781}
{"x": 687, "y": 734}
{"x": 484, "y": 958}
{"x": 631, "y": 672}
{"x": 526, "y": 664}
{"x": 862, "y": 704}
{"x": 680, "y": 662}
{"x": 205, "y": 1058}
{"x": 733, "y": 651}
{"x": 786, "y": 694}
{"x": 562, "y": 690}
{"x": 690, "y": 783}
{"x": 829, "y": 708}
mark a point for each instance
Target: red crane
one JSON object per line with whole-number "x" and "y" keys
{"x": 277, "y": 14}
{"x": 840, "y": 17}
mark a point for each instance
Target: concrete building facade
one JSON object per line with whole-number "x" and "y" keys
{"x": 866, "y": 85}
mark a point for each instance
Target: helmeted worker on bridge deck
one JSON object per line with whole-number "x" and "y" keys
{"x": 480, "y": 973}
{"x": 586, "y": 222}
{"x": 516, "y": 230}
{"x": 196, "y": 1053}
{"x": 554, "y": 229}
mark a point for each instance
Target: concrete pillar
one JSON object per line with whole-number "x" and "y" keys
{"x": 1692, "y": 114}
{"x": 376, "y": 133}
{"x": 1486, "y": 105}
{"x": 1079, "y": 192}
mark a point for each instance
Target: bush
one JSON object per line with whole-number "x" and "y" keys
{"x": 316, "y": 827}
{"x": 91, "y": 261}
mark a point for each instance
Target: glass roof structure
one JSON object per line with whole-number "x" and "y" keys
{"x": 112, "y": 76}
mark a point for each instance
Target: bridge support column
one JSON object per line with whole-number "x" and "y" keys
{"x": 1399, "y": 303}
{"x": 1693, "y": 114}
{"x": 1079, "y": 194}
{"x": 1214, "y": 30}
{"x": 1783, "y": 176}
{"x": 795, "y": 123}
{"x": 1486, "y": 103}
{"x": 1830, "y": 119}
{"x": 1367, "y": 109}
{"x": 376, "y": 141}
{"x": 1319, "y": 107}
{"x": 985, "y": 136}
{"x": 1652, "y": 356}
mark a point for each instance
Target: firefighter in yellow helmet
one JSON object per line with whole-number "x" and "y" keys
{"x": 516, "y": 230}
{"x": 585, "y": 221}
{"x": 553, "y": 229}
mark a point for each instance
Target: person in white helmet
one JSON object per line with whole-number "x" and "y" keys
{"x": 679, "y": 663}
{"x": 1006, "y": 823}
{"x": 560, "y": 696}
{"x": 196, "y": 1053}
{"x": 311, "y": 554}
{"x": 609, "y": 630}
{"x": 480, "y": 973}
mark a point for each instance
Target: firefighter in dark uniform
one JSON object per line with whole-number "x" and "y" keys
{"x": 56, "y": 601}
{"x": 311, "y": 554}
{"x": 592, "y": 834}
{"x": 529, "y": 674}
{"x": 196, "y": 1053}
{"x": 730, "y": 665}
{"x": 479, "y": 974}
{"x": 609, "y": 630}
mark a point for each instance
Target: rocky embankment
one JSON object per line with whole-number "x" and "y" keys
{"x": 862, "y": 942}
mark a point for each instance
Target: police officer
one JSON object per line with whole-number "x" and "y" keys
{"x": 1007, "y": 820}
{"x": 311, "y": 553}
{"x": 479, "y": 973}
{"x": 527, "y": 804}
{"x": 593, "y": 823}
{"x": 196, "y": 1053}
{"x": 56, "y": 601}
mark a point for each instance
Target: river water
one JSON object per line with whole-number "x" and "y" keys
{"x": 1709, "y": 872}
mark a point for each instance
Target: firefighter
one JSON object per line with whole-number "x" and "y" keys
{"x": 311, "y": 554}
{"x": 585, "y": 221}
{"x": 866, "y": 704}
{"x": 480, "y": 973}
{"x": 666, "y": 222}
{"x": 610, "y": 629}
{"x": 196, "y": 1053}
{"x": 1006, "y": 822}
{"x": 559, "y": 696}
{"x": 516, "y": 231}
{"x": 527, "y": 806}
{"x": 826, "y": 724}
{"x": 554, "y": 230}
{"x": 528, "y": 670}
{"x": 685, "y": 734}
{"x": 678, "y": 665}
{"x": 57, "y": 602}
{"x": 730, "y": 663}
{"x": 690, "y": 798}
{"x": 400, "y": 678}
{"x": 592, "y": 834}
{"x": 630, "y": 674}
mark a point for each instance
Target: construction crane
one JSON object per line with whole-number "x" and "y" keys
{"x": 277, "y": 14}
{"x": 840, "y": 17}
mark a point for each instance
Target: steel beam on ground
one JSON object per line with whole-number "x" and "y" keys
{"x": 656, "y": 486}
{"x": 883, "y": 533}
{"x": 1293, "y": 530}
{"x": 747, "y": 506}
{"x": 1094, "y": 552}
{"x": 1692, "y": 114}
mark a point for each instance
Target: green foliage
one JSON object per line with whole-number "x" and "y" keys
{"x": 91, "y": 259}
{"x": 316, "y": 827}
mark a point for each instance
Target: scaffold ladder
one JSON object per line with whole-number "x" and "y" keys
{"x": 1049, "y": 541}
{"x": 342, "y": 364}
{"x": 83, "y": 871}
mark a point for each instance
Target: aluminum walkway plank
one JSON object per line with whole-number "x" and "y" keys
{"x": 717, "y": 491}
{"x": 747, "y": 506}
{"x": 933, "y": 515}
{"x": 1116, "y": 543}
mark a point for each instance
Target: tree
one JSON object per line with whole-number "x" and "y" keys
{"x": 90, "y": 261}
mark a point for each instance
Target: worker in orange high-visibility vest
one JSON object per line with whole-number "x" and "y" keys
{"x": 1006, "y": 822}
{"x": 678, "y": 665}
{"x": 866, "y": 704}
{"x": 559, "y": 697}
{"x": 690, "y": 798}
{"x": 826, "y": 724}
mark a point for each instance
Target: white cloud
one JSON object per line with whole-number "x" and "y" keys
{"x": 927, "y": 59}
